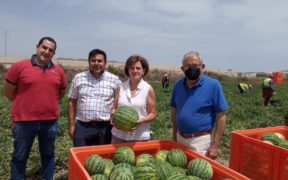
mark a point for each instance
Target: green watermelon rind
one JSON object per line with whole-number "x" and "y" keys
{"x": 201, "y": 168}
{"x": 124, "y": 154}
{"x": 272, "y": 137}
{"x": 176, "y": 157}
{"x": 94, "y": 164}
{"x": 125, "y": 118}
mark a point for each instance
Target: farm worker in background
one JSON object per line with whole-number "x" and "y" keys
{"x": 137, "y": 93}
{"x": 91, "y": 97}
{"x": 198, "y": 108}
{"x": 165, "y": 82}
{"x": 35, "y": 86}
{"x": 243, "y": 88}
{"x": 267, "y": 90}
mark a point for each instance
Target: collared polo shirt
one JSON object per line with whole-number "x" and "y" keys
{"x": 196, "y": 108}
{"x": 95, "y": 97}
{"x": 37, "y": 92}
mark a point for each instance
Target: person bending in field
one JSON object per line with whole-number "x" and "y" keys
{"x": 165, "y": 82}
{"x": 198, "y": 108}
{"x": 91, "y": 97}
{"x": 244, "y": 88}
{"x": 140, "y": 95}
{"x": 267, "y": 90}
{"x": 35, "y": 86}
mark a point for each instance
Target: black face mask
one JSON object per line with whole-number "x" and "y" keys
{"x": 192, "y": 73}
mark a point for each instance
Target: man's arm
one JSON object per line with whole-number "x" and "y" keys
{"x": 173, "y": 118}
{"x": 9, "y": 90}
{"x": 62, "y": 93}
{"x": 218, "y": 132}
{"x": 72, "y": 103}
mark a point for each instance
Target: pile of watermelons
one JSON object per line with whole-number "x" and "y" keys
{"x": 165, "y": 165}
{"x": 275, "y": 138}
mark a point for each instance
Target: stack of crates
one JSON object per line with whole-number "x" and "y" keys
{"x": 278, "y": 77}
{"x": 256, "y": 159}
{"x": 78, "y": 155}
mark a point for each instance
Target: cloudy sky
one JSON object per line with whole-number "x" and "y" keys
{"x": 242, "y": 35}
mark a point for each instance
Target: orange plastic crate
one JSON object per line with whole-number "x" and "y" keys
{"x": 78, "y": 156}
{"x": 256, "y": 159}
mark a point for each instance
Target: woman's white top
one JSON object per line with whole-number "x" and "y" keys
{"x": 139, "y": 103}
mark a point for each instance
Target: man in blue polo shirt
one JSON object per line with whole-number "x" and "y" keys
{"x": 198, "y": 108}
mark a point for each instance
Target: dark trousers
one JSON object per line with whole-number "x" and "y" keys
{"x": 240, "y": 89}
{"x": 267, "y": 93}
{"x": 92, "y": 133}
{"x": 24, "y": 134}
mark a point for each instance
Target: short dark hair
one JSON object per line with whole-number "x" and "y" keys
{"x": 49, "y": 39}
{"x": 95, "y": 52}
{"x": 136, "y": 58}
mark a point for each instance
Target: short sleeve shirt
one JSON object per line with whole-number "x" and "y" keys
{"x": 95, "y": 97}
{"x": 196, "y": 108}
{"x": 37, "y": 90}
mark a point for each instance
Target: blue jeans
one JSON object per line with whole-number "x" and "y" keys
{"x": 24, "y": 134}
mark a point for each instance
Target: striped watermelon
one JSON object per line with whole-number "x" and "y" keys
{"x": 161, "y": 155}
{"x": 275, "y": 138}
{"x": 125, "y": 118}
{"x": 142, "y": 158}
{"x": 124, "y": 154}
{"x": 99, "y": 177}
{"x": 194, "y": 178}
{"x": 200, "y": 168}
{"x": 145, "y": 171}
{"x": 122, "y": 165}
{"x": 179, "y": 170}
{"x": 94, "y": 164}
{"x": 121, "y": 174}
{"x": 164, "y": 170}
{"x": 177, "y": 177}
{"x": 177, "y": 158}
{"x": 108, "y": 167}
{"x": 284, "y": 144}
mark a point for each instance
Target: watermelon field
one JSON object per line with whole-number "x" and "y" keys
{"x": 245, "y": 111}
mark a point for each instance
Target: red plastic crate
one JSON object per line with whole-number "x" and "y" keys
{"x": 78, "y": 156}
{"x": 256, "y": 159}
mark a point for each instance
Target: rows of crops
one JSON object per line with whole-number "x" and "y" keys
{"x": 245, "y": 111}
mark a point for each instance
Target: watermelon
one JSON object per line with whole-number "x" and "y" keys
{"x": 281, "y": 136}
{"x": 161, "y": 155}
{"x": 108, "y": 167}
{"x": 142, "y": 158}
{"x": 122, "y": 165}
{"x": 272, "y": 137}
{"x": 177, "y": 158}
{"x": 125, "y": 118}
{"x": 124, "y": 154}
{"x": 200, "y": 168}
{"x": 99, "y": 177}
{"x": 284, "y": 144}
{"x": 122, "y": 174}
{"x": 164, "y": 170}
{"x": 177, "y": 177}
{"x": 94, "y": 164}
{"x": 268, "y": 142}
{"x": 194, "y": 178}
{"x": 179, "y": 170}
{"x": 145, "y": 171}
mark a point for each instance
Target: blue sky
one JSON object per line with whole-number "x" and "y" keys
{"x": 242, "y": 35}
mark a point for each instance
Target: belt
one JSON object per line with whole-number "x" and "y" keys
{"x": 202, "y": 133}
{"x": 94, "y": 122}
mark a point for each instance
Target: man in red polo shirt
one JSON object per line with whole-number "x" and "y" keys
{"x": 35, "y": 86}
